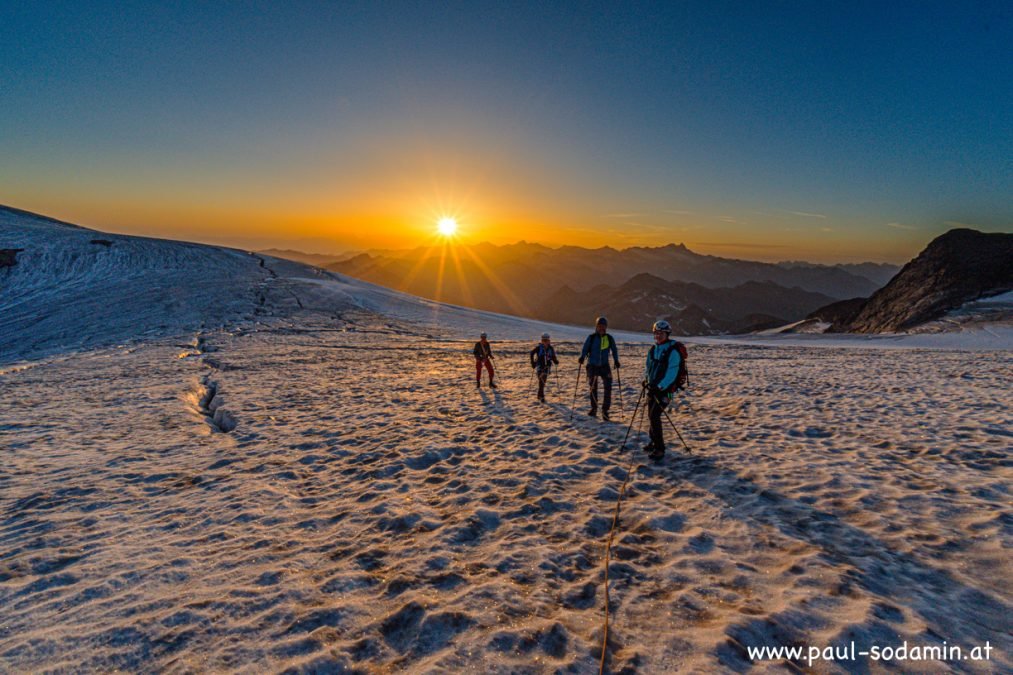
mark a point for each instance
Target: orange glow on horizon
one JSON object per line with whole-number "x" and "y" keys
{"x": 400, "y": 221}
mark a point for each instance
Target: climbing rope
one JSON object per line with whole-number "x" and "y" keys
{"x": 615, "y": 515}
{"x": 615, "y": 523}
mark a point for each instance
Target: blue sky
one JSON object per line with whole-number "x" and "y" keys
{"x": 768, "y": 130}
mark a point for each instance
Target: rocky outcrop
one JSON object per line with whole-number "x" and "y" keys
{"x": 838, "y": 314}
{"x": 958, "y": 267}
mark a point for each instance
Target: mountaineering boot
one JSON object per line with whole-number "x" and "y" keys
{"x": 492, "y": 384}
{"x": 649, "y": 448}
{"x": 656, "y": 453}
{"x": 593, "y": 412}
{"x": 604, "y": 416}
{"x": 478, "y": 385}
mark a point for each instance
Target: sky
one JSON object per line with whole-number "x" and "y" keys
{"x": 824, "y": 131}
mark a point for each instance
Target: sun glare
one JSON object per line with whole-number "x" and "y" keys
{"x": 447, "y": 226}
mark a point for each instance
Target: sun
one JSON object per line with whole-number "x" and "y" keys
{"x": 447, "y": 226}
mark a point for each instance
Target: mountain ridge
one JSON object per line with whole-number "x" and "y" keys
{"x": 521, "y": 278}
{"x": 682, "y": 264}
{"x": 958, "y": 267}
{"x": 691, "y": 308}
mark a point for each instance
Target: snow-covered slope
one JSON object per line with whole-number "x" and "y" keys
{"x": 320, "y": 487}
{"x": 990, "y": 314}
{"x": 979, "y": 325}
{"x": 72, "y": 287}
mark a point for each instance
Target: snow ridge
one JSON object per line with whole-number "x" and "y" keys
{"x": 67, "y": 292}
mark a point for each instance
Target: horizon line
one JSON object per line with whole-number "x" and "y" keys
{"x": 226, "y": 241}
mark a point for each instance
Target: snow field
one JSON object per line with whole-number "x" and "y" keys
{"x": 371, "y": 510}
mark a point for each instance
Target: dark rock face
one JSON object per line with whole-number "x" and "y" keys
{"x": 9, "y": 256}
{"x": 957, "y": 267}
{"x": 839, "y": 314}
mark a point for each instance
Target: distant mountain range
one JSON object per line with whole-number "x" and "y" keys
{"x": 692, "y": 309}
{"x": 878, "y": 273}
{"x": 704, "y": 294}
{"x": 699, "y": 294}
{"x": 316, "y": 259}
{"x": 958, "y": 267}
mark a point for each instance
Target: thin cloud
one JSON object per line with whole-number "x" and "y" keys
{"x": 826, "y": 229}
{"x": 640, "y": 228}
{"x": 729, "y": 219}
{"x": 736, "y": 245}
{"x": 623, "y": 215}
{"x": 805, "y": 214}
{"x": 901, "y": 226}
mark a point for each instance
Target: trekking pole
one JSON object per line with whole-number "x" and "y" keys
{"x": 575, "y": 387}
{"x": 674, "y": 428}
{"x": 531, "y": 378}
{"x": 632, "y": 419}
{"x": 619, "y": 379}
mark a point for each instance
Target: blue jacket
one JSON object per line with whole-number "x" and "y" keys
{"x": 653, "y": 371}
{"x": 598, "y": 355}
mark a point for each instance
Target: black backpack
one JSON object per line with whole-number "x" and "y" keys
{"x": 682, "y": 377}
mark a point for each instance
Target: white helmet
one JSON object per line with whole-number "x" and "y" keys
{"x": 483, "y": 335}
{"x": 662, "y": 325}
{"x": 545, "y": 336}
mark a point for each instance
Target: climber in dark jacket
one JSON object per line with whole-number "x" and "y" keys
{"x": 542, "y": 357}
{"x": 597, "y": 348}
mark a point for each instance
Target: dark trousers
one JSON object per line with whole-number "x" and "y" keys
{"x": 603, "y": 373}
{"x": 655, "y": 407}
{"x": 543, "y": 376}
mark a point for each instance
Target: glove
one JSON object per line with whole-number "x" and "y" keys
{"x": 644, "y": 384}
{"x": 617, "y": 365}
{"x": 581, "y": 360}
{"x": 533, "y": 366}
